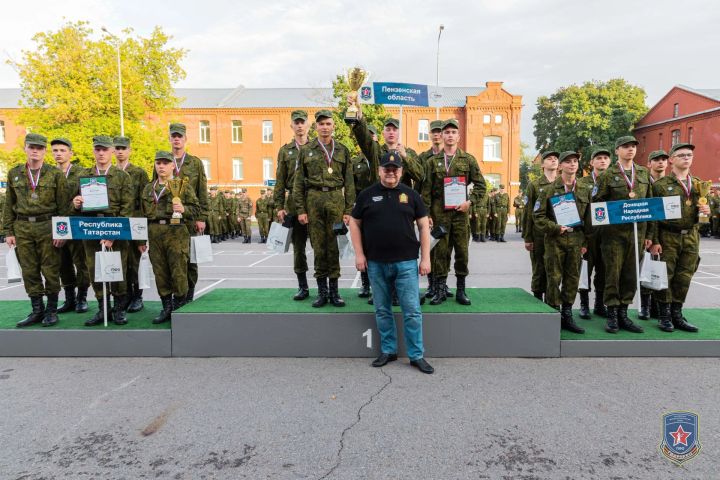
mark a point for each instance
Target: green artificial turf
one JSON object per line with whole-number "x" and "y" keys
{"x": 12, "y": 311}
{"x": 279, "y": 300}
{"x": 706, "y": 319}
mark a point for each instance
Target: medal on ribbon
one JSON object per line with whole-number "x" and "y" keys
{"x": 328, "y": 156}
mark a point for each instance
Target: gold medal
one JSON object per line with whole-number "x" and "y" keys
{"x": 631, "y": 194}
{"x": 330, "y": 170}
{"x": 688, "y": 202}
{"x": 702, "y": 201}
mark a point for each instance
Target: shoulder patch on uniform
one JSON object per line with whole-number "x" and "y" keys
{"x": 377, "y": 199}
{"x": 537, "y": 206}
{"x": 594, "y": 190}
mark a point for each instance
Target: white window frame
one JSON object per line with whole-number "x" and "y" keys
{"x": 238, "y": 171}
{"x": 498, "y": 119}
{"x": 267, "y": 131}
{"x": 492, "y": 152}
{"x": 204, "y": 131}
{"x": 423, "y": 130}
{"x": 674, "y": 137}
{"x": 486, "y": 119}
{"x": 267, "y": 168}
{"x": 207, "y": 166}
{"x": 236, "y": 131}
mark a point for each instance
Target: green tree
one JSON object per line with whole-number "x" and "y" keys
{"x": 69, "y": 86}
{"x": 374, "y": 115}
{"x": 529, "y": 170}
{"x": 592, "y": 114}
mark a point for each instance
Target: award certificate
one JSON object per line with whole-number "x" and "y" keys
{"x": 95, "y": 194}
{"x": 455, "y": 189}
{"x": 565, "y": 209}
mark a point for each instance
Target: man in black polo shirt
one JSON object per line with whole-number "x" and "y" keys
{"x": 383, "y": 235}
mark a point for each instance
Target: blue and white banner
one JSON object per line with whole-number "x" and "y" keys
{"x": 99, "y": 228}
{"x": 388, "y": 93}
{"x": 636, "y": 211}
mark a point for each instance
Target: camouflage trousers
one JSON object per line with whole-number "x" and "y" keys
{"x": 478, "y": 223}
{"x": 500, "y": 221}
{"x": 538, "y": 283}
{"x": 133, "y": 263}
{"x": 230, "y": 224}
{"x": 93, "y": 246}
{"x": 682, "y": 255}
{"x": 213, "y": 224}
{"x": 324, "y": 210}
{"x": 618, "y": 253}
{"x": 38, "y": 257}
{"x": 595, "y": 263}
{"x": 563, "y": 259}
{"x": 170, "y": 256}
{"x": 455, "y": 241}
{"x": 299, "y": 243}
{"x": 263, "y": 225}
{"x": 192, "y": 268}
{"x": 73, "y": 270}
{"x": 518, "y": 217}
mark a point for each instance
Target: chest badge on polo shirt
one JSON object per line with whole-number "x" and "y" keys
{"x": 377, "y": 199}
{"x": 403, "y": 198}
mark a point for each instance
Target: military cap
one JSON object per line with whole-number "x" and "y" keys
{"x": 451, "y": 123}
{"x": 323, "y": 114}
{"x": 213, "y": 187}
{"x": 102, "y": 141}
{"x": 372, "y": 129}
{"x": 501, "y": 186}
{"x": 177, "y": 128}
{"x": 35, "y": 139}
{"x": 494, "y": 189}
{"x": 244, "y": 190}
{"x": 163, "y": 156}
{"x": 600, "y": 150}
{"x": 392, "y": 121}
{"x": 121, "y": 142}
{"x": 657, "y": 154}
{"x": 680, "y": 146}
{"x": 391, "y": 159}
{"x": 568, "y": 155}
{"x": 625, "y": 140}
{"x": 549, "y": 153}
{"x": 262, "y": 190}
{"x": 298, "y": 115}
{"x": 61, "y": 141}
{"x": 436, "y": 125}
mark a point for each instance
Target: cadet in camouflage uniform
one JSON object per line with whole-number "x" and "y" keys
{"x": 261, "y": 215}
{"x": 271, "y": 210}
{"x": 288, "y": 159}
{"x": 216, "y": 214}
{"x": 324, "y": 193}
{"x": 121, "y": 204}
{"x": 73, "y": 270}
{"x": 138, "y": 178}
{"x": 490, "y": 224}
{"x": 243, "y": 213}
{"x": 564, "y": 246}
{"x": 502, "y": 205}
{"x": 232, "y": 226}
{"x": 481, "y": 211}
{"x": 678, "y": 241}
{"x": 534, "y": 238}
{"x": 35, "y": 192}
{"x": 622, "y": 181}
{"x": 451, "y": 162}
{"x": 192, "y": 168}
{"x": 715, "y": 212}
{"x": 169, "y": 242}
{"x": 519, "y": 205}
{"x": 599, "y": 161}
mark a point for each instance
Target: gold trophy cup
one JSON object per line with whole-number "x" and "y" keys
{"x": 703, "y": 189}
{"x": 177, "y": 187}
{"x": 355, "y": 78}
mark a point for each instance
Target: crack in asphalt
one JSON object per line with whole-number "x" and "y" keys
{"x": 341, "y": 447}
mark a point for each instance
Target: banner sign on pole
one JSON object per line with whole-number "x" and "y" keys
{"x": 99, "y": 228}
{"x": 387, "y": 93}
{"x": 635, "y": 211}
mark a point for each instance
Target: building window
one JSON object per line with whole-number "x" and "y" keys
{"x": 675, "y": 138}
{"x": 660, "y": 147}
{"x": 206, "y": 166}
{"x": 486, "y": 119}
{"x": 498, "y": 119}
{"x": 236, "y": 131}
{"x": 494, "y": 178}
{"x": 690, "y": 134}
{"x": 492, "y": 149}
{"x": 424, "y": 131}
{"x": 267, "y": 169}
{"x": 267, "y": 131}
{"x": 2, "y": 131}
{"x": 676, "y": 110}
{"x": 204, "y": 131}
{"x": 237, "y": 165}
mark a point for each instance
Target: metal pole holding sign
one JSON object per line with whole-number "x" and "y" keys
{"x": 104, "y": 291}
{"x": 637, "y": 265}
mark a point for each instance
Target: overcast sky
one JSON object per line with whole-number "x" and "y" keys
{"x": 533, "y": 46}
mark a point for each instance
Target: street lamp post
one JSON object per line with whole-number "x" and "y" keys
{"x": 120, "y": 91}
{"x": 437, "y": 75}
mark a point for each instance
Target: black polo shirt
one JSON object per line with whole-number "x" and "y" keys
{"x": 388, "y": 222}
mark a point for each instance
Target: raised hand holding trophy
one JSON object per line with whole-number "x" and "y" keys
{"x": 703, "y": 189}
{"x": 355, "y": 78}
{"x": 176, "y": 187}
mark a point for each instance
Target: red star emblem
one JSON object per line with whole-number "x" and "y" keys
{"x": 680, "y": 436}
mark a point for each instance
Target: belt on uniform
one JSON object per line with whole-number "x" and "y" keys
{"x": 36, "y": 218}
{"x": 168, "y": 221}
{"x": 325, "y": 189}
{"x": 681, "y": 231}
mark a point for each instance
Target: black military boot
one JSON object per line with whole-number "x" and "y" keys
{"x": 502, "y": 238}
{"x": 81, "y": 305}
{"x": 365, "y": 289}
{"x": 612, "y": 320}
{"x": 538, "y": 295}
{"x": 431, "y": 286}
{"x": 334, "y": 295}
{"x": 70, "y": 301}
{"x": 119, "y": 312}
{"x": 482, "y": 237}
{"x": 99, "y": 317}
{"x": 448, "y": 292}
{"x": 644, "y": 313}
{"x": 460, "y": 295}
{"x": 136, "y": 304}
{"x": 322, "y": 297}
{"x": 213, "y": 239}
{"x": 37, "y": 314}
{"x": 678, "y": 320}
{"x": 50, "y": 319}
{"x": 654, "y": 308}
{"x": 599, "y": 308}
{"x": 249, "y": 239}
{"x": 166, "y": 312}
{"x": 567, "y": 322}
{"x": 664, "y": 318}
{"x": 625, "y": 323}
{"x": 190, "y": 296}
{"x": 303, "y": 288}
{"x": 178, "y": 302}
{"x": 439, "y": 296}
{"x": 585, "y": 304}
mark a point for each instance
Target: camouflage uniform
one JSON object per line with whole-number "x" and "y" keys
{"x": 261, "y": 215}
{"x": 714, "y": 202}
{"x": 481, "y": 206}
{"x": 594, "y": 259}
{"x": 531, "y": 234}
{"x": 73, "y": 270}
{"x": 502, "y": 205}
{"x": 138, "y": 180}
{"x": 216, "y": 215}
{"x": 519, "y": 205}
{"x": 244, "y": 211}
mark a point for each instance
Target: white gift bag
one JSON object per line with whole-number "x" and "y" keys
{"x": 279, "y": 238}
{"x": 584, "y": 277}
{"x": 108, "y": 266}
{"x": 14, "y": 272}
{"x": 345, "y": 246}
{"x": 653, "y": 274}
{"x": 144, "y": 272}
{"x": 200, "y": 249}
{"x": 645, "y": 274}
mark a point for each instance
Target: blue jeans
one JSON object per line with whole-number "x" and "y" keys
{"x": 405, "y": 277}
